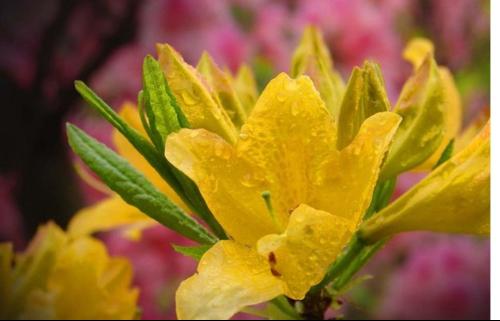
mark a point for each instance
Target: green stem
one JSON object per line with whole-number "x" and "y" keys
{"x": 357, "y": 264}
{"x": 284, "y": 306}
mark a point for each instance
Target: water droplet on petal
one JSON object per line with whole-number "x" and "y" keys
{"x": 188, "y": 98}
{"x": 291, "y": 85}
{"x": 243, "y": 136}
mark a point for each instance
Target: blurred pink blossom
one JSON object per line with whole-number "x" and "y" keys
{"x": 458, "y": 26}
{"x": 442, "y": 277}
{"x": 356, "y": 30}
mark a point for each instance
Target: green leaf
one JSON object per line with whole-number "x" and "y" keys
{"x": 161, "y": 109}
{"x": 165, "y": 117}
{"x": 181, "y": 184}
{"x": 133, "y": 187}
{"x": 196, "y": 252}
{"x": 447, "y": 153}
{"x": 140, "y": 108}
{"x": 140, "y": 143}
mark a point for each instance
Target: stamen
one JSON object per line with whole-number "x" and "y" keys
{"x": 266, "y": 195}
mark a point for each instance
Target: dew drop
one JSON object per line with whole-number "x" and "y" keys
{"x": 247, "y": 180}
{"x": 188, "y": 98}
{"x": 292, "y": 85}
{"x": 281, "y": 97}
{"x": 243, "y": 136}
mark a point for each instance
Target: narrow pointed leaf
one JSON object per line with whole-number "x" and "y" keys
{"x": 161, "y": 115}
{"x": 184, "y": 187}
{"x": 133, "y": 136}
{"x": 195, "y": 252}
{"x": 133, "y": 187}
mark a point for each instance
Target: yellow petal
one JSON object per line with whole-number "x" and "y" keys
{"x": 230, "y": 276}
{"x": 454, "y": 198}
{"x": 345, "y": 181}
{"x": 288, "y": 136}
{"x": 452, "y": 117}
{"x": 193, "y": 96}
{"x": 109, "y": 214}
{"x": 222, "y": 88}
{"x": 421, "y": 104}
{"x": 365, "y": 96}
{"x": 301, "y": 255}
{"x": 85, "y": 283}
{"x": 312, "y": 58}
{"x": 416, "y": 50}
{"x": 228, "y": 183}
{"x": 246, "y": 88}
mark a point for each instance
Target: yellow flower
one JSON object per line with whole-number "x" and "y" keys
{"x": 314, "y": 197}
{"x": 454, "y": 198}
{"x": 59, "y": 277}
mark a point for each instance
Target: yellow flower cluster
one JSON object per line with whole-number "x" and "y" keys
{"x": 288, "y": 174}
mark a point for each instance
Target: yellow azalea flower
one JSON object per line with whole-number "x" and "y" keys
{"x": 415, "y": 52}
{"x": 59, "y": 277}
{"x": 315, "y": 196}
{"x": 312, "y": 58}
{"x": 113, "y": 212}
{"x": 454, "y": 198}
